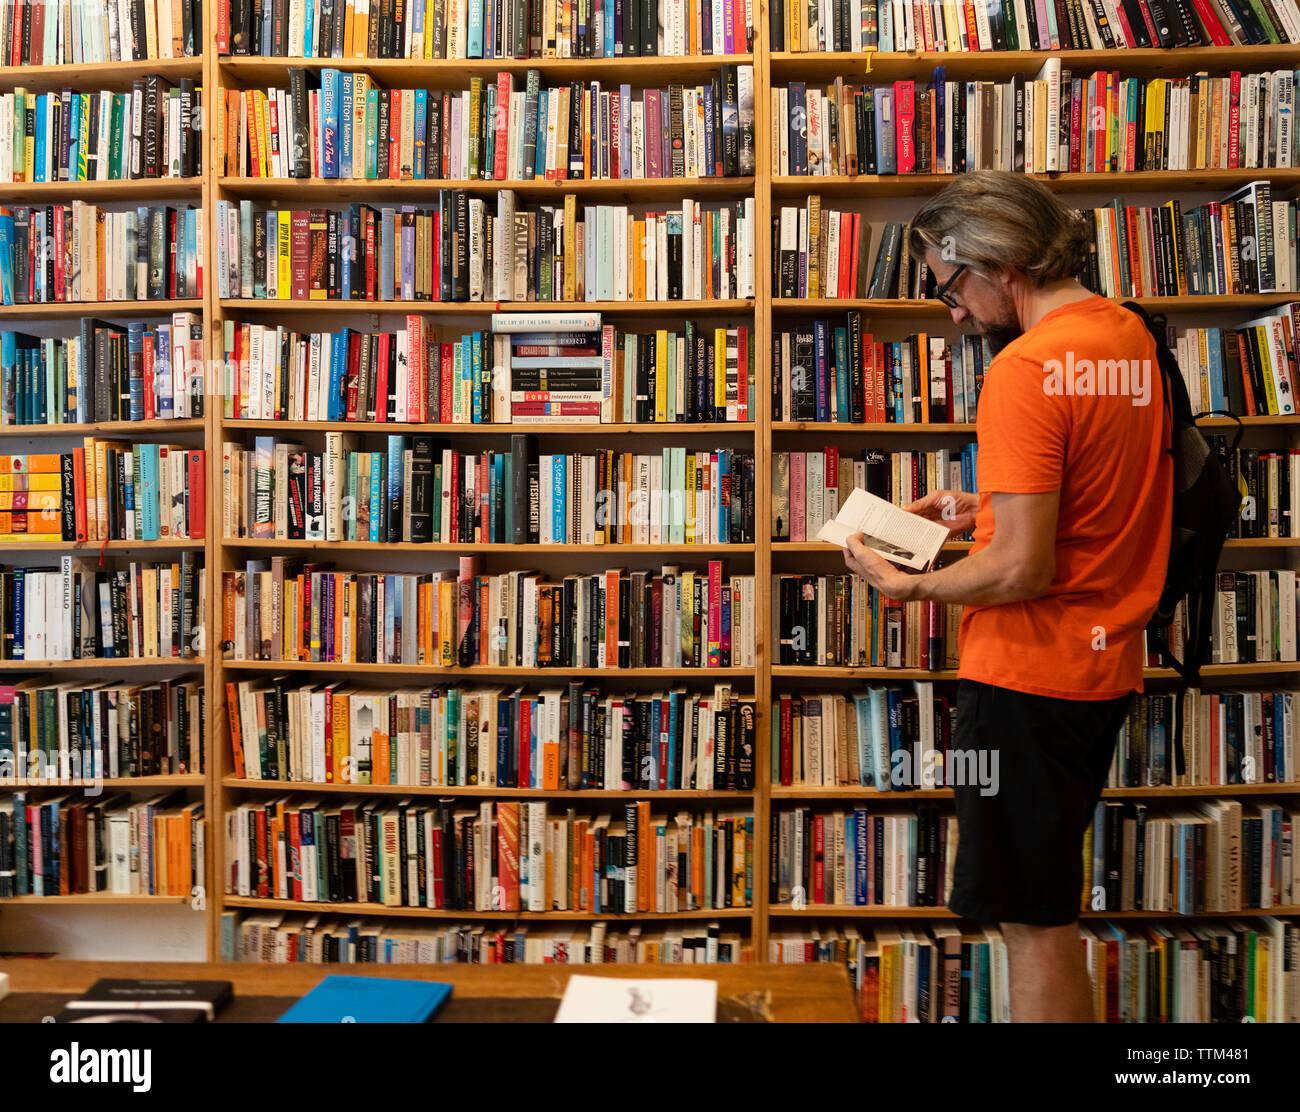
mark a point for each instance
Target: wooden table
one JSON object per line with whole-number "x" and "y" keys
{"x": 482, "y": 993}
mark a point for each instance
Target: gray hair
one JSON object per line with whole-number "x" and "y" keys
{"x": 995, "y": 221}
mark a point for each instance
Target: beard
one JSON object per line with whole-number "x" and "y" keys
{"x": 1001, "y": 334}
{"x": 1005, "y": 328}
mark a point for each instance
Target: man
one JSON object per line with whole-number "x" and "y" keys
{"x": 1072, "y": 527}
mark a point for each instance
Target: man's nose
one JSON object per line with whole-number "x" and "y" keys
{"x": 959, "y": 314}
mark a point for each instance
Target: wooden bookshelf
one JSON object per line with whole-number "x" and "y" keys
{"x": 92, "y": 899}
{"x": 883, "y": 66}
{"x": 132, "y": 189}
{"x": 921, "y": 185}
{"x": 1241, "y": 303}
{"x": 522, "y": 550}
{"x": 110, "y": 783}
{"x": 58, "y": 318}
{"x": 853, "y": 911}
{"x": 112, "y": 664}
{"x": 660, "y": 429}
{"x": 107, "y": 428}
{"x": 106, "y": 75}
{"x": 455, "y": 73}
{"x": 75, "y": 310}
{"x": 220, "y": 788}
{"x": 240, "y": 306}
{"x": 264, "y": 904}
{"x": 480, "y": 792}
{"x": 392, "y": 190}
{"x": 37, "y": 545}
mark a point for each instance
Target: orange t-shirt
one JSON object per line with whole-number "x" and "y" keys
{"x": 1043, "y": 426}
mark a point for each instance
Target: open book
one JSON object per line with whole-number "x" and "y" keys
{"x": 903, "y": 538}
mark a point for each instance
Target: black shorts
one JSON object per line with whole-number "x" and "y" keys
{"x": 1020, "y": 849}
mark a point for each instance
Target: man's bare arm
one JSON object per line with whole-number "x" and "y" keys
{"x": 1019, "y": 562}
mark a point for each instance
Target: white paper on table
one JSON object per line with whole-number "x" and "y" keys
{"x": 907, "y": 539}
{"x": 638, "y": 1000}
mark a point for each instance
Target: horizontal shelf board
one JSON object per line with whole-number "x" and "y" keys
{"x": 556, "y": 427}
{"x": 63, "y": 192}
{"x": 822, "y": 911}
{"x": 115, "y": 663}
{"x": 116, "y": 428}
{"x": 366, "y": 189}
{"x": 778, "y": 791}
{"x": 1112, "y": 184}
{"x": 477, "y": 670}
{"x": 843, "y": 672}
{"x": 440, "y": 913}
{"x": 110, "y": 783}
{"x": 78, "y": 309}
{"x": 917, "y": 65}
{"x": 478, "y": 792}
{"x": 932, "y": 307}
{"x": 87, "y": 78}
{"x": 454, "y": 308}
{"x": 918, "y": 428}
{"x": 902, "y": 428}
{"x": 95, "y": 898}
{"x": 965, "y": 546}
{"x": 454, "y": 73}
{"x": 528, "y": 549}
{"x": 92, "y": 547}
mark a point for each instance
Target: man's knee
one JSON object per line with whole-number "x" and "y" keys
{"x": 1028, "y": 938}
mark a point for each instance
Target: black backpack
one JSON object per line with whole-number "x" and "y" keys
{"x": 1206, "y": 503}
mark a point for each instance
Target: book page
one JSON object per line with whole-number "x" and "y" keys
{"x": 638, "y": 1000}
{"x": 906, "y": 539}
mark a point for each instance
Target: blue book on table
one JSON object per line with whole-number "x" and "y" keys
{"x": 368, "y": 1000}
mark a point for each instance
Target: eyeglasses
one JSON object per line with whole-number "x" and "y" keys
{"x": 942, "y": 292}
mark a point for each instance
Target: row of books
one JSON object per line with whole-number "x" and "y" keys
{"x": 498, "y": 856}
{"x": 274, "y": 937}
{"x": 611, "y": 619}
{"x": 66, "y": 732}
{"x": 1254, "y": 617}
{"x": 1271, "y": 480}
{"x": 1248, "y": 370}
{"x": 902, "y": 739}
{"x": 840, "y": 620}
{"x": 151, "y": 132}
{"x": 823, "y": 253}
{"x": 1229, "y": 737}
{"x": 572, "y": 737}
{"x": 861, "y": 859}
{"x": 418, "y": 490}
{"x": 106, "y": 490}
{"x": 459, "y": 251}
{"x": 939, "y": 26}
{"x": 1058, "y": 121}
{"x": 1245, "y": 243}
{"x": 589, "y": 374}
{"x": 1203, "y": 971}
{"x": 809, "y": 487}
{"x": 69, "y": 33}
{"x": 1212, "y": 855}
{"x": 79, "y": 611}
{"x": 902, "y": 973}
{"x": 833, "y": 371}
{"x": 81, "y": 252}
{"x": 143, "y": 371}
{"x": 349, "y": 128}
{"x": 889, "y": 738}
{"x": 67, "y": 844}
{"x": 486, "y": 29}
